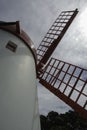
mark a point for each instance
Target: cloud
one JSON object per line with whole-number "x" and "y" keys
{"x": 49, "y": 102}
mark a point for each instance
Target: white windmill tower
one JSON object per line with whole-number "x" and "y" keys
{"x": 18, "y": 96}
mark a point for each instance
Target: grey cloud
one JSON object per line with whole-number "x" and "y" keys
{"x": 49, "y": 102}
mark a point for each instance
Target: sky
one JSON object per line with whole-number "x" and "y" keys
{"x": 36, "y": 17}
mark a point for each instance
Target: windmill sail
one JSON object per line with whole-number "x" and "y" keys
{"x": 53, "y": 36}
{"x": 68, "y": 82}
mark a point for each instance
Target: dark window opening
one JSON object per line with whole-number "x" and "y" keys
{"x": 11, "y": 46}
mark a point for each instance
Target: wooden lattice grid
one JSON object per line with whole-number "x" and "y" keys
{"x": 68, "y": 79}
{"x": 55, "y": 33}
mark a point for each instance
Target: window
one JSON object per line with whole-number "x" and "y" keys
{"x": 11, "y": 46}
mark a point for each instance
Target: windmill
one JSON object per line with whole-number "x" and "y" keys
{"x": 18, "y": 65}
{"x": 65, "y": 80}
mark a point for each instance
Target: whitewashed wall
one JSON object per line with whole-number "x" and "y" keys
{"x": 18, "y": 92}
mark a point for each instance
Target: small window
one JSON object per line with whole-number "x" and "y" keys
{"x": 11, "y": 46}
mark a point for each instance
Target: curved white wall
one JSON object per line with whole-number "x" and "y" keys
{"x": 18, "y": 92}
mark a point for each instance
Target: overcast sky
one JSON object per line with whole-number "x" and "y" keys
{"x": 36, "y": 17}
